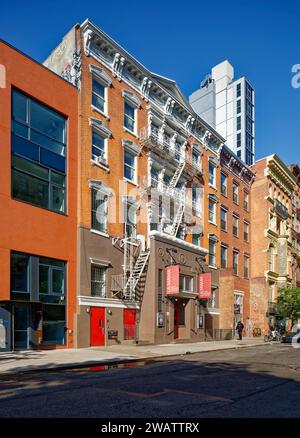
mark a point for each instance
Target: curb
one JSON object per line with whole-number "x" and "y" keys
{"x": 112, "y": 362}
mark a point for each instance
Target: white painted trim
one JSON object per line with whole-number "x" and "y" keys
{"x": 100, "y": 126}
{"x": 99, "y": 233}
{"x": 104, "y": 263}
{"x": 103, "y": 77}
{"x": 88, "y": 26}
{"x": 131, "y": 98}
{"x": 131, "y": 146}
{"x": 94, "y": 108}
{"x": 213, "y": 311}
{"x": 105, "y": 302}
{"x": 185, "y": 245}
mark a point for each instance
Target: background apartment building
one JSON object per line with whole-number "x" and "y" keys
{"x": 236, "y": 229}
{"x": 38, "y": 203}
{"x": 295, "y": 249}
{"x": 227, "y": 104}
{"x": 143, "y": 153}
{"x": 271, "y": 217}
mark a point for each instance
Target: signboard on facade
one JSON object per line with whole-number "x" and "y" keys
{"x": 172, "y": 280}
{"x": 204, "y": 286}
{"x": 200, "y": 321}
{"x": 161, "y": 319}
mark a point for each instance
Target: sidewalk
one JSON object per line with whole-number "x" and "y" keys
{"x": 24, "y": 361}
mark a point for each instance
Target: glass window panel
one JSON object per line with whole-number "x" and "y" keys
{"x": 129, "y": 117}
{"x": 43, "y": 279}
{"x": 58, "y": 199}
{"x": 47, "y": 121}
{"x": 19, "y": 272}
{"x": 98, "y": 88}
{"x": 51, "y": 262}
{"x": 129, "y": 173}
{"x": 129, "y": 110}
{"x": 47, "y": 142}
{"x": 211, "y": 174}
{"x": 98, "y": 146}
{"x": 98, "y": 275}
{"x": 29, "y": 189}
{"x": 129, "y": 158}
{"x": 19, "y": 129}
{"x": 129, "y": 167}
{"x": 53, "y": 160}
{"x": 57, "y": 178}
{"x": 19, "y": 105}
{"x": 24, "y": 147}
{"x": 30, "y": 167}
{"x": 99, "y": 211}
{"x": 181, "y": 282}
{"x": 223, "y": 257}
{"x": 54, "y": 324}
{"x": 58, "y": 281}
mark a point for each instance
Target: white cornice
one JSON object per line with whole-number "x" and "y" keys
{"x": 175, "y": 240}
{"x": 88, "y": 27}
{"x": 84, "y": 300}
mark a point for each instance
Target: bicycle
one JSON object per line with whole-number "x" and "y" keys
{"x": 273, "y": 336}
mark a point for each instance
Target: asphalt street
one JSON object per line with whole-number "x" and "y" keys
{"x": 257, "y": 382}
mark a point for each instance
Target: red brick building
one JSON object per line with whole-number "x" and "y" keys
{"x": 235, "y": 226}
{"x": 38, "y": 203}
{"x": 295, "y": 228}
{"x": 271, "y": 242}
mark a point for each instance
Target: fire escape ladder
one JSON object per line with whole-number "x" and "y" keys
{"x": 176, "y": 176}
{"x": 178, "y": 219}
{"x": 135, "y": 275}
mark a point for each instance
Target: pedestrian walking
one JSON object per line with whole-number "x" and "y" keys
{"x": 239, "y": 328}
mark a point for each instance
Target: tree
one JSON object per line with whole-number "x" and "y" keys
{"x": 288, "y": 303}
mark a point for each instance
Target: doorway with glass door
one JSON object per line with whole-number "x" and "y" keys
{"x": 21, "y": 326}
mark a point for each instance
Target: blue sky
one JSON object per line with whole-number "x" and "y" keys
{"x": 183, "y": 40}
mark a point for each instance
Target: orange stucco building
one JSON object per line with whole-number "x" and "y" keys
{"x": 38, "y": 203}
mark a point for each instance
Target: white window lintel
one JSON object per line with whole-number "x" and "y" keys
{"x": 131, "y": 146}
{"x": 105, "y": 80}
{"x": 131, "y": 98}
{"x": 100, "y": 127}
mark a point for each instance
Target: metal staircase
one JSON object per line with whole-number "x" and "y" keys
{"x": 135, "y": 275}
{"x": 177, "y": 175}
{"x": 178, "y": 219}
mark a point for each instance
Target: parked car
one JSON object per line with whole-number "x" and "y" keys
{"x": 288, "y": 337}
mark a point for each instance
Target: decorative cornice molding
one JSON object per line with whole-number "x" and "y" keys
{"x": 99, "y": 185}
{"x": 100, "y": 126}
{"x": 129, "y": 144}
{"x": 131, "y": 98}
{"x": 117, "y": 66}
{"x": 100, "y": 74}
{"x": 127, "y": 68}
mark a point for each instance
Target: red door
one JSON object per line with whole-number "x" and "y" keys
{"x": 129, "y": 323}
{"x": 97, "y": 326}
{"x": 176, "y": 319}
